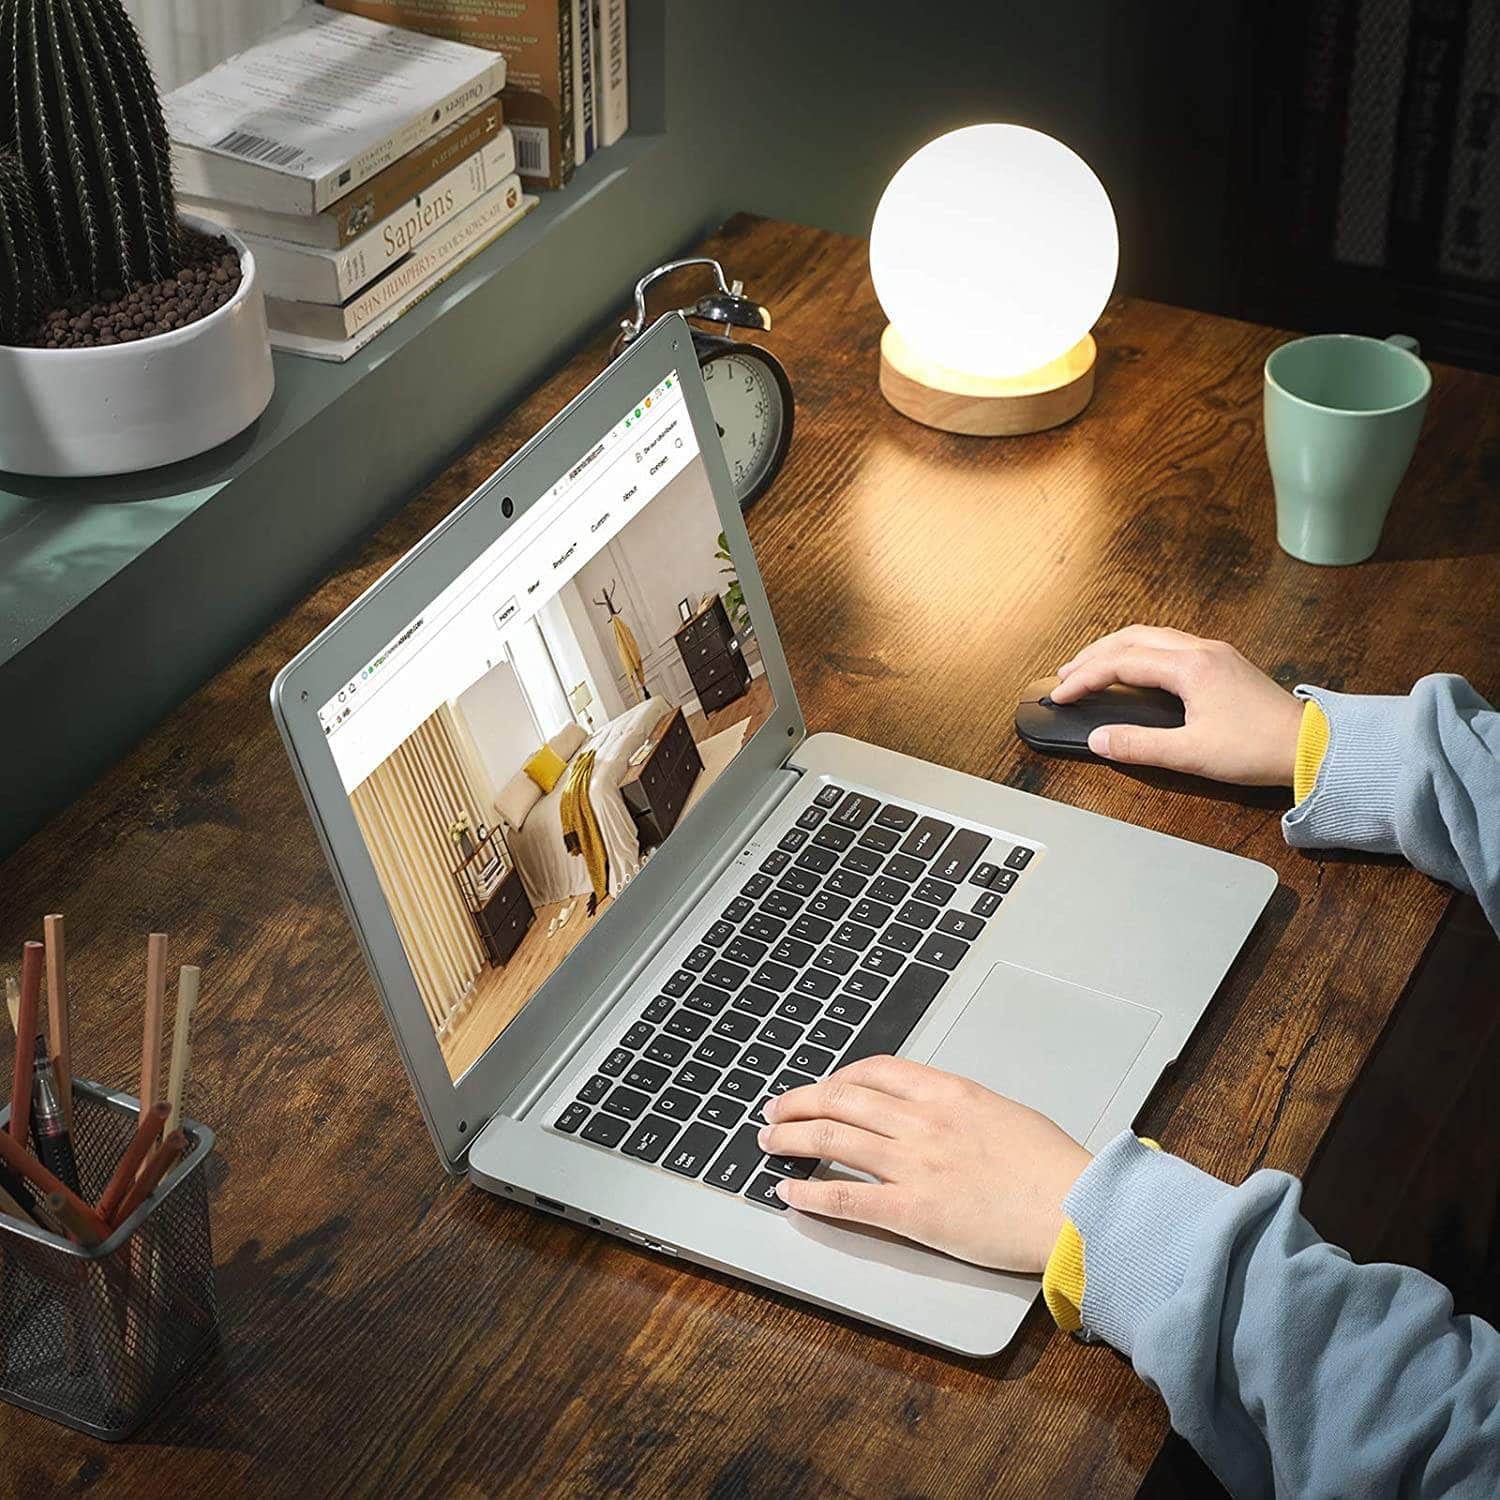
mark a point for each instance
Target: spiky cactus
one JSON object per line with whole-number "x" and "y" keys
{"x": 80, "y": 109}
{"x": 23, "y": 273}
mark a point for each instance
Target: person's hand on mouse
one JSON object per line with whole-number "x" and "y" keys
{"x": 960, "y": 1168}
{"x": 1240, "y": 726}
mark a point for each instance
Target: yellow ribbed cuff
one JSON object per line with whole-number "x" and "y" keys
{"x": 1312, "y": 746}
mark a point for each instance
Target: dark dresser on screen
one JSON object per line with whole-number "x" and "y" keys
{"x": 657, "y": 789}
{"x": 710, "y": 650}
{"x": 496, "y": 899}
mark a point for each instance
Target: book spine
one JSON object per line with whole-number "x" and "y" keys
{"x": 566, "y": 103}
{"x": 614, "y": 88}
{"x": 1471, "y": 227}
{"x": 583, "y": 81}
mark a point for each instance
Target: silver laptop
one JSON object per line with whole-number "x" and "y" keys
{"x": 614, "y": 897}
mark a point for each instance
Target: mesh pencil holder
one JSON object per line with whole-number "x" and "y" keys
{"x": 96, "y": 1338}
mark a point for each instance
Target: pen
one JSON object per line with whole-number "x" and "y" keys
{"x": 58, "y": 1026}
{"x": 31, "y": 993}
{"x": 54, "y": 1145}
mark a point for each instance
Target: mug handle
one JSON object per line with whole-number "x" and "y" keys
{"x": 1405, "y": 341}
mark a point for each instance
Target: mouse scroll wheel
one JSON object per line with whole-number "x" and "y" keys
{"x": 1046, "y": 702}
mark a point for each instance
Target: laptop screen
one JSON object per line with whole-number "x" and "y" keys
{"x": 523, "y": 746}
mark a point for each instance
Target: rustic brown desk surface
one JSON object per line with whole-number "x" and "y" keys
{"x": 386, "y": 1329}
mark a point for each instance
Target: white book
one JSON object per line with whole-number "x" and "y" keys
{"x": 318, "y": 106}
{"x": 319, "y": 320}
{"x": 336, "y": 351}
{"x": 305, "y": 274}
{"x": 613, "y": 118}
{"x": 583, "y": 81}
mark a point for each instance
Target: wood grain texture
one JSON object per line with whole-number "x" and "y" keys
{"x": 386, "y": 1330}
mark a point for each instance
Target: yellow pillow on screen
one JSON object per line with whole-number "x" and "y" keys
{"x": 545, "y": 767}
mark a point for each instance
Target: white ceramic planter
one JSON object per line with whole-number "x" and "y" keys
{"x": 125, "y": 407}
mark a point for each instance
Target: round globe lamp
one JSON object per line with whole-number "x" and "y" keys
{"x": 993, "y": 252}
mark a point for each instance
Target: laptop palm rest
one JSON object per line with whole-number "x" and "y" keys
{"x": 1061, "y": 1048}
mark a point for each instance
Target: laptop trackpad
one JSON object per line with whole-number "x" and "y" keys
{"x": 1059, "y": 1047}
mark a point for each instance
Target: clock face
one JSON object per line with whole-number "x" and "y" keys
{"x": 751, "y": 415}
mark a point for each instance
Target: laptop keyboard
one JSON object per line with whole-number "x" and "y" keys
{"x": 833, "y": 950}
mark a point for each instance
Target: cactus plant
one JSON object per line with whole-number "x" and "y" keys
{"x": 24, "y": 283}
{"x": 81, "y": 111}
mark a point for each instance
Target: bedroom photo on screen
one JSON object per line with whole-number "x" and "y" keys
{"x": 520, "y": 752}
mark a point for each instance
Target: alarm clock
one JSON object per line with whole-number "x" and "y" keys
{"x": 748, "y": 388}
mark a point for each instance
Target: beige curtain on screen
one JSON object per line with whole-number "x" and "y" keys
{"x": 405, "y": 808}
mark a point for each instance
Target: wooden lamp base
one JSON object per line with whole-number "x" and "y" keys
{"x": 981, "y": 406}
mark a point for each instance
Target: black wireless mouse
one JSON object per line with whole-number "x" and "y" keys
{"x": 1064, "y": 728}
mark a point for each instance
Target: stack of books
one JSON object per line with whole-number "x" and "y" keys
{"x": 362, "y": 163}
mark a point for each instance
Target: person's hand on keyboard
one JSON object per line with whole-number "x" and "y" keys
{"x": 1241, "y": 726}
{"x": 960, "y": 1168}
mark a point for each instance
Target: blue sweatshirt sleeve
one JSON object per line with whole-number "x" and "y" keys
{"x": 1417, "y": 776}
{"x": 1290, "y": 1369}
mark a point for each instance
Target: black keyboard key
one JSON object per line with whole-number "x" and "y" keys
{"x": 792, "y": 951}
{"x": 892, "y": 816}
{"x": 572, "y": 1117}
{"x": 816, "y": 983}
{"x": 983, "y": 873}
{"x": 846, "y": 883}
{"x": 630, "y": 1104}
{"x": 685, "y": 1024}
{"x": 816, "y": 859}
{"x": 797, "y": 1008}
{"x": 719, "y": 933}
{"x": 699, "y": 959}
{"x": 707, "y": 999}
{"x": 855, "y": 810}
{"x": 904, "y": 1005}
{"x": 1003, "y": 880}
{"x": 738, "y": 909}
{"x": 758, "y": 1114}
{"x": 648, "y": 1076}
{"x": 870, "y": 913}
{"x": 744, "y": 950}
{"x": 595, "y": 1089}
{"x": 775, "y": 862}
{"x": 959, "y": 853}
{"x": 677, "y": 1103}
{"x": 763, "y": 1190}
{"x": 781, "y": 904}
{"x": 847, "y": 1008}
{"x": 887, "y": 892}
{"x": 917, "y": 914}
{"x": 736, "y": 1025}
{"x": 799, "y": 882}
{"x": 742, "y": 1085}
{"x": 698, "y": 1077}
{"x": 722, "y": 1111}
{"x": 903, "y": 867}
{"x": 793, "y": 1166}
{"x": 1019, "y": 857}
{"x": 826, "y": 1033}
{"x": 606, "y": 1130}
{"x": 762, "y": 928}
{"x": 833, "y": 837}
{"x": 616, "y": 1062}
{"x": 902, "y": 939}
{"x": 882, "y": 840}
{"x": 986, "y": 903}
{"x": 828, "y": 796}
{"x": 864, "y": 985}
{"x": 935, "y": 892}
{"x": 790, "y": 1079}
{"x": 810, "y": 1059}
{"x": 828, "y": 904}
{"x": 754, "y": 1000}
{"x": 761, "y": 1059}
{"x": 835, "y": 960}
{"x": 926, "y": 837}
{"x": 884, "y": 960}
{"x": 811, "y": 929}
{"x": 756, "y": 886}
{"x": 854, "y": 934}
{"x": 692, "y": 1149}
{"x": 679, "y": 984}
{"x": 667, "y": 1049}
{"x": 718, "y": 1051}
{"x": 792, "y": 840}
{"x": 942, "y": 950}
{"x": 774, "y": 976}
{"x": 778, "y": 1032}
{"x": 862, "y": 861}
{"x": 734, "y": 1164}
{"x": 726, "y": 976}
{"x": 650, "y": 1138}
{"x": 810, "y": 817}
{"x": 658, "y": 1010}
{"x": 960, "y": 925}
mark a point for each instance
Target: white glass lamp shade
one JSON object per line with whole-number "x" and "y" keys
{"x": 994, "y": 250}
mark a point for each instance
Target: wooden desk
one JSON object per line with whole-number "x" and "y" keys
{"x": 388, "y": 1330}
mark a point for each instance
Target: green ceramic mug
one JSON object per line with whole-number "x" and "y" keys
{"x": 1342, "y": 416}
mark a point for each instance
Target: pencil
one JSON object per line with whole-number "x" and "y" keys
{"x": 59, "y": 1031}
{"x": 40, "y": 1178}
{"x": 177, "y": 1076}
{"x": 31, "y": 994}
{"x": 13, "y": 1001}
{"x": 156, "y": 999}
{"x": 81, "y": 1227}
{"x": 158, "y": 1164}
{"x": 147, "y": 1131}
